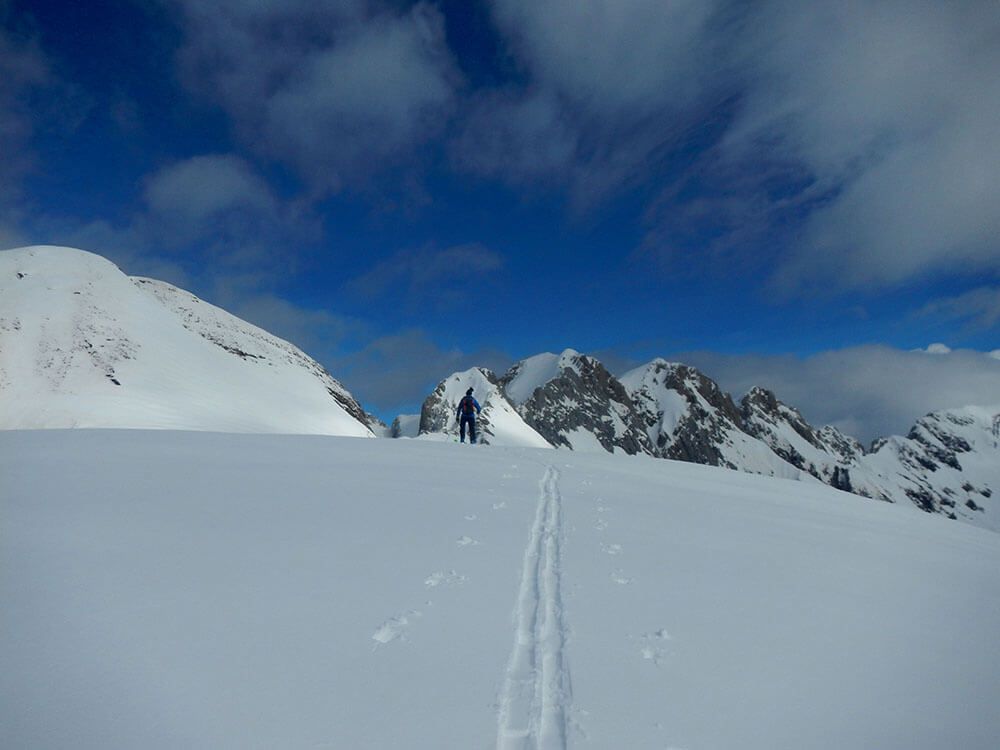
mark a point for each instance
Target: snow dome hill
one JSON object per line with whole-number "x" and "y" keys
{"x": 84, "y": 345}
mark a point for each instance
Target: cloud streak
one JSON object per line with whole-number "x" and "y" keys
{"x": 24, "y": 70}
{"x": 440, "y": 278}
{"x": 337, "y": 90}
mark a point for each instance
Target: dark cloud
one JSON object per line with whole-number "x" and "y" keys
{"x": 430, "y": 276}
{"x": 337, "y": 90}
{"x": 24, "y": 71}
{"x": 609, "y": 89}
{"x": 316, "y": 332}
{"x": 980, "y": 307}
{"x": 397, "y": 371}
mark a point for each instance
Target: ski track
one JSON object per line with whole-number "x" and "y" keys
{"x": 534, "y": 704}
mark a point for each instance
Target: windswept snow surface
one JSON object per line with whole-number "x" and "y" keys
{"x": 168, "y": 589}
{"x": 84, "y": 345}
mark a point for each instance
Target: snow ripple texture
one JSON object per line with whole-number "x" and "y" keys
{"x": 536, "y": 694}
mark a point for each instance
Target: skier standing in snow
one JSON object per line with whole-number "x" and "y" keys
{"x": 468, "y": 408}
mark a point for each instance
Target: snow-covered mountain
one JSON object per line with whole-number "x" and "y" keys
{"x": 499, "y": 423}
{"x": 689, "y": 418}
{"x": 84, "y": 345}
{"x": 948, "y": 463}
{"x": 574, "y": 402}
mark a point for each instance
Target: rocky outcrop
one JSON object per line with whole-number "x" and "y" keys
{"x": 582, "y": 403}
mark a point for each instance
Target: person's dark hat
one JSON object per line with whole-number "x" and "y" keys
{"x": 468, "y": 392}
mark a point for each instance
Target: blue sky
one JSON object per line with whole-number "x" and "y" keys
{"x": 406, "y": 189}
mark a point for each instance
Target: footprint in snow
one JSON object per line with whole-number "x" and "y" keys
{"x": 394, "y": 628}
{"x": 611, "y": 549}
{"x": 471, "y": 517}
{"x": 500, "y": 506}
{"x": 466, "y": 541}
{"x": 652, "y": 648}
{"x": 601, "y": 524}
{"x": 444, "y": 578}
{"x": 618, "y": 577}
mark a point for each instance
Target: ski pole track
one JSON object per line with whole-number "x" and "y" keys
{"x": 536, "y": 693}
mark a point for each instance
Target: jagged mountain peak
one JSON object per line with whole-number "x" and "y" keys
{"x": 573, "y": 401}
{"x": 527, "y": 375}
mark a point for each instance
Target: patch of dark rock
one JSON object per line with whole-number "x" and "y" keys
{"x": 239, "y": 352}
{"x": 841, "y": 479}
{"x": 986, "y": 492}
{"x": 972, "y": 505}
{"x": 952, "y": 516}
{"x": 20, "y": 275}
{"x": 968, "y": 487}
{"x": 922, "y": 499}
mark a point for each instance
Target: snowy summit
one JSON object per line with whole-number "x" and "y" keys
{"x": 84, "y": 345}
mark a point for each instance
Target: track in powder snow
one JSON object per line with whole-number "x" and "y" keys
{"x": 536, "y": 691}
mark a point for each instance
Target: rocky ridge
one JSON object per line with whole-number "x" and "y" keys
{"x": 948, "y": 463}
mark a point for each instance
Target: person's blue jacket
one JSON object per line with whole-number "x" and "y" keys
{"x": 469, "y": 412}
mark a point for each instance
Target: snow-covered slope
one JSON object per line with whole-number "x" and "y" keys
{"x": 182, "y": 590}
{"x": 84, "y": 345}
{"x": 825, "y": 453}
{"x": 948, "y": 463}
{"x": 498, "y": 423}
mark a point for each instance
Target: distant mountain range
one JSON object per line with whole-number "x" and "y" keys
{"x": 84, "y": 345}
{"x": 948, "y": 463}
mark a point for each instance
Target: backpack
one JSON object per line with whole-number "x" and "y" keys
{"x": 468, "y": 405}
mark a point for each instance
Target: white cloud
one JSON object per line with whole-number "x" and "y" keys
{"x": 615, "y": 59}
{"x": 337, "y": 90}
{"x": 889, "y": 110}
{"x": 517, "y": 137}
{"x": 869, "y": 391}
{"x": 937, "y": 348}
{"x": 609, "y": 88}
{"x": 868, "y": 127}
{"x": 198, "y": 189}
